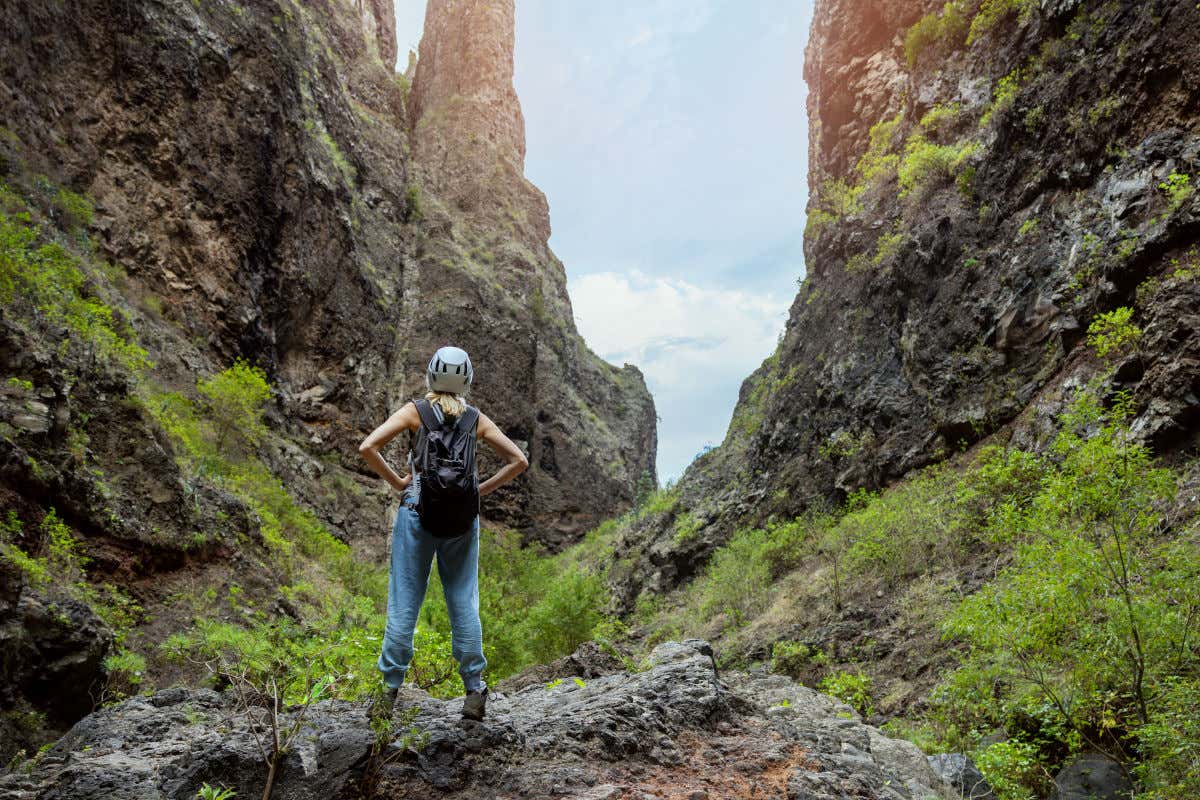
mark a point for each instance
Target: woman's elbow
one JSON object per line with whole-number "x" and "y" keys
{"x": 365, "y": 448}
{"x": 521, "y": 463}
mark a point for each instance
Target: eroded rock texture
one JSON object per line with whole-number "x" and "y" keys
{"x": 674, "y": 730}
{"x": 971, "y": 213}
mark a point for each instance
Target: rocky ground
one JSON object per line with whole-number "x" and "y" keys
{"x": 673, "y": 729}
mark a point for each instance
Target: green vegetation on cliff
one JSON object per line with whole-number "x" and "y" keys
{"x": 1083, "y": 636}
{"x": 44, "y": 283}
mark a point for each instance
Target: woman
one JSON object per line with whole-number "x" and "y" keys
{"x": 448, "y": 378}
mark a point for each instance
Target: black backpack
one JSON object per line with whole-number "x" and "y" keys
{"x": 445, "y": 460}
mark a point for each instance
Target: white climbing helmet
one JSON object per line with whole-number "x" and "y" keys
{"x": 449, "y": 371}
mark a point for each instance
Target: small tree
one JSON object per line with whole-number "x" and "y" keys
{"x": 270, "y": 667}
{"x": 1113, "y": 333}
{"x": 1096, "y": 615}
{"x": 235, "y": 399}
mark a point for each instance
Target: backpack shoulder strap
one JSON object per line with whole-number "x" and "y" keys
{"x": 468, "y": 420}
{"x": 428, "y": 418}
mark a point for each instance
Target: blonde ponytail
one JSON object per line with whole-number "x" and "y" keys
{"x": 452, "y": 405}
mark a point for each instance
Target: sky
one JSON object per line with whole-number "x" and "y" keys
{"x": 670, "y": 139}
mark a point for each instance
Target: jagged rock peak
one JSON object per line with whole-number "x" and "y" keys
{"x": 465, "y": 72}
{"x": 379, "y": 25}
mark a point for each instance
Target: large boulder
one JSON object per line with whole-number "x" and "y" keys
{"x": 51, "y": 661}
{"x": 675, "y": 728}
{"x": 960, "y": 775}
{"x": 1092, "y": 776}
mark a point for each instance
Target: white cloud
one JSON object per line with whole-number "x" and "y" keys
{"x": 695, "y": 345}
{"x": 640, "y": 37}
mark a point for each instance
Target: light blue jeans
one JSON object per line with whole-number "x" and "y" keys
{"x": 413, "y": 551}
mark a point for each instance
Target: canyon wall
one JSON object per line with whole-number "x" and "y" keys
{"x": 986, "y": 180}
{"x": 226, "y": 181}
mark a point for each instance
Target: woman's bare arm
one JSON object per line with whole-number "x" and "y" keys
{"x": 516, "y": 462}
{"x": 406, "y": 419}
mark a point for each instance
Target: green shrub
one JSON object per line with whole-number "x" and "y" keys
{"x": 903, "y": 533}
{"x": 660, "y": 501}
{"x": 993, "y": 12}
{"x": 75, "y": 210}
{"x": 61, "y": 561}
{"x": 817, "y": 219}
{"x": 272, "y": 667}
{"x": 787, "y": 543}
{"x": 1028, "y": 227}
{"x": 840, "y": 199}
{"x": 207, "y": 792}
{"x": 566, "y": 616}
{"x": 997, "y": 489}
{"x": 926, "y": 164}
{"x": 31, "y": 569}
{"x": 858, "y": 262}
{"x": 1003, "y": 96}
{"x": 1178, "y": 188}
{"x": 790, "y": 658}
{"x": 343, "y": 165}
{"x": 887, "y": 247}
{"x": 60, "y": 572}
{"x": 215, "y": 448}
{"x": 125, "y": 669}
{"x": 852, "y": 688}
{"x": 341, "y": 642}
{"x": 413, "y": 211}
{"x": 947, "y": 28}
{"x": 1113, "y": 333}
{"x": 686, "y": 527}
{"x": 737, "y": 578}
{"x": 880, "y": 160}
{"x": 965, "y": 183}
{"x": 940, "y": 116}
{"x": 234, "y": 399}
{"x": 64, "y": 553}
{"x": 1170, "y": 742}
{"x": 837, "y": 198}
{"x": 1085, "y": 630}
{"x": 1034, "y": 118}
{"x": 433, "y": 667}
{"x": 1013, "y": 769}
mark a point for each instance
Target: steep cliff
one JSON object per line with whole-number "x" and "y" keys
{"x": 220, "y": 181}
{"x": 590, "y": 427}
{"x": 987, "y": 179}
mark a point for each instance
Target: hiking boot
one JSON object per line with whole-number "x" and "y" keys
{"x": 474, "y": 705}
{"x": 382, "y": 705}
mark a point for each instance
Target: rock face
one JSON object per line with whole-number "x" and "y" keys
{"x": 973, "y": 209}
{"x": 675, "y": 729}
{"x": 266, "y": 187}
{"x": 53, "y": 650}
{"x": 277, "y": 188}
{"x": 589, "y": 427}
